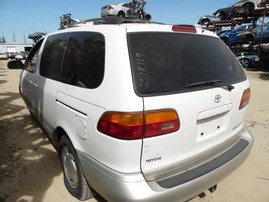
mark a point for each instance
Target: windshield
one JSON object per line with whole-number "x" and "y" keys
{"x": 165, "y": 63}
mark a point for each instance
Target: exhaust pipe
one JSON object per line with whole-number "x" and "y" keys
{"x": 202, "y": 195}
{"x": 213, "y": 189}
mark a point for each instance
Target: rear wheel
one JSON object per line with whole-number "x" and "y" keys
{"x": 248, "y": 9}
{"x": 245, "y": 63}
{"x": 148, "y": 17}
{"x": 121, "y": 14}
{"x": 74, "y": 179}
{"x": 249, "y": 38}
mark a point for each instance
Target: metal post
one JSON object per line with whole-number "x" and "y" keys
{"x": 261, "y": 34}
{"x": 230, "y": 37}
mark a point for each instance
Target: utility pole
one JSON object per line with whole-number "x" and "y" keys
{"x": 14, "y": 38}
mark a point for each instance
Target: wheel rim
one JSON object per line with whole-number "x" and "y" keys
{"x": 70, "y": 167}
{"x": 244, "y": 63}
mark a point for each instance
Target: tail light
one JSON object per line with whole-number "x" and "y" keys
{"x": 132, "y": 126}
{"x": 110, "y": 8}
{"x": 245, "y": 99}
{"x": 160, "y": 123}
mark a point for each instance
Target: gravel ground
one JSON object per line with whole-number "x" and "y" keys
{"x": 30, "y": 169}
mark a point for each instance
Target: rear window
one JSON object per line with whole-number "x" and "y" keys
{"x": 164, "y": 63}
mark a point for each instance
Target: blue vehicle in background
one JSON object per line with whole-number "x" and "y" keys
{"x": 231, "y": 37}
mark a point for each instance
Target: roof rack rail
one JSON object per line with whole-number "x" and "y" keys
{"x": 116, "y": 20}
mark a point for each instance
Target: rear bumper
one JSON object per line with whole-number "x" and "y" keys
{"x": 115, "y": 186}
{"x": 105, "y": 13}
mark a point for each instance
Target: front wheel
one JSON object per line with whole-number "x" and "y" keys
{"x": 206, "y": 22}
{"x": 74, "y": 179}
{"x": 245, "y": 63}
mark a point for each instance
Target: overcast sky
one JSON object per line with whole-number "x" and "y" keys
{"x": 18, "y": 19}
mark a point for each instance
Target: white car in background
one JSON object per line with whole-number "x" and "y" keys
{"x": 120, "y": 10}
{"x": 125, "y": 10}
{"x": 3, "y": 56}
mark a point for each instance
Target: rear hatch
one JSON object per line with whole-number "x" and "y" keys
{"x": 198, "y": 78}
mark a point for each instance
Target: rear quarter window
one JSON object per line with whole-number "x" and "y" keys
{"x": 164, "y": 63}
{"x": 84, "y": 60}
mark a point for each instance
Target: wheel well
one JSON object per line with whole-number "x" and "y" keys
{"x": 223, "y": 15}
{"x": 250, "y": 36}
{"x": 205, "y": 21}
{"x": 245, "y": 59}
{"x": 250, "y": 5}
{"x": 58, "y": 133}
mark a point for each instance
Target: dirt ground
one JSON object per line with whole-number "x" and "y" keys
{"x": 30, "y": 169}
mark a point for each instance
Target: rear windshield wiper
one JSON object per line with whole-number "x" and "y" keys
{"x": 215, "y": 83}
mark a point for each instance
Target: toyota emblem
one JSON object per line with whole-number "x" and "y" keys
{"x": 217, "y": 99}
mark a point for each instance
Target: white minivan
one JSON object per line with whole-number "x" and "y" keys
{"x": 139, "y": 111}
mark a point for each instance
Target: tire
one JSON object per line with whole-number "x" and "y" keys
{"x": 148, "y": 17}
{"x": 248, "y": 9}
{"x": 74, "y": 179}
{"x": 249, "y": 38}
{"x": 245, "y": 63}
{"x": 206, "y": 22}
{"x": 121, "y": 14}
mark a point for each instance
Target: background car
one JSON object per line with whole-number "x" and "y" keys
{"x": 209, "y": 19}
{"x": 120, "y": 10}
{"x": 247, "y": 59}
{"x": 19, "y": 57}
{"x": 263, "y": 3}
{"x": 255, "y": 35}
{"x": 3, "y": 56}
{"x": 124, "y": 10}
{"x": 231, "y": 37}
{"x": 242, "y": 8}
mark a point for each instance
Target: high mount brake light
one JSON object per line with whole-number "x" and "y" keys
{"x": 245, "y": 99}
{"x": 184, "y": 28}
{"x": 133, "y": 126}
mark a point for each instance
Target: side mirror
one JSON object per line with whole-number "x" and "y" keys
{"x": 15, "y": 64}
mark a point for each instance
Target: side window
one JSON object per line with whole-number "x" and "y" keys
{"x": 30, "y": 63}
{"x": 52, "y": 56}
{"x": 84, "y": 58}
{"x": 127, "y": 5}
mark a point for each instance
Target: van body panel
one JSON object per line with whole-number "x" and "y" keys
{"x": 172, "y": 166}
